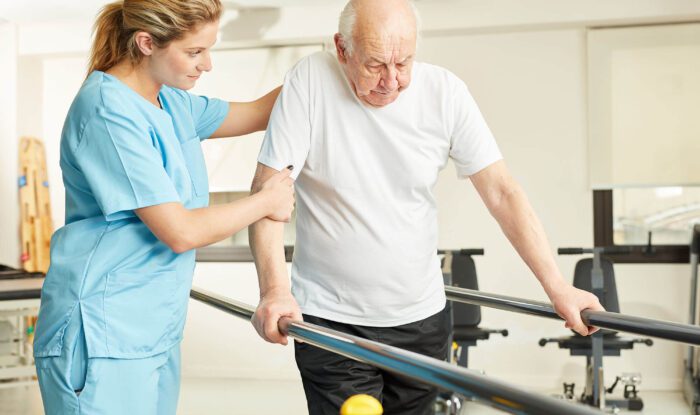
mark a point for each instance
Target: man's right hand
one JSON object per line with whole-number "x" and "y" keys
{"x": 274, "y": 305}
{"x": 279, "y": 189}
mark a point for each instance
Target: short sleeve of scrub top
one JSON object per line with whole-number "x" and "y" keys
{"x": 206, "y": 114}
{"x": 122, "y": 166}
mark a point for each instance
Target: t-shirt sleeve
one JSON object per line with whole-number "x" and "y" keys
{"x": 472, "y": 145}
{"x": 288, "y": 136}
{"x": 208, "y": 114}
{"x": 123, "y": 166}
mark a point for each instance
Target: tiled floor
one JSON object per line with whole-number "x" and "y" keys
{"x": 248, "y": 397}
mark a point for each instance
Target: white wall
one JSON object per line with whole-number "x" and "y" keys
{"x": 60, "y": 79}
{"x": 30, "y": 101}
{"x": 526, "y": 68}
{"x": 9, "y": 203}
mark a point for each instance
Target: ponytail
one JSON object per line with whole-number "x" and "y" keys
{"x": 108, "y": 46}
{"x": 164, "y": 20}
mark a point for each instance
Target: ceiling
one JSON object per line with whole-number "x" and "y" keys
{"x": 28, "y": 11}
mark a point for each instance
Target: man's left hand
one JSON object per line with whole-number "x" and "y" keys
{"x": 569, "y": 302}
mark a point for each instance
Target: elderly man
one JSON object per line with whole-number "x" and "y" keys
{"x": 367, "y": 133}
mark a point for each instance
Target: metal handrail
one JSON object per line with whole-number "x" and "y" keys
{"x": 413, "y": 365}
{"x": 661, "y": 329}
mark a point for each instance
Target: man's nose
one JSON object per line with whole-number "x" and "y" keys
{"x": 390, "y": 79}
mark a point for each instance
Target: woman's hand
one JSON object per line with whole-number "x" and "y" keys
{"x": 279, "y": 191}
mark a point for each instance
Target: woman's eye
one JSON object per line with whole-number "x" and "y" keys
{"x": 193, "y": 54}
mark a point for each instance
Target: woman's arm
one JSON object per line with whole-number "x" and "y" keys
{"x": 247, "y": 117}
{"x": 183, "y": 229}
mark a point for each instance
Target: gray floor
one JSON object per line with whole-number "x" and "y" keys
{"x": 213, "y": 397}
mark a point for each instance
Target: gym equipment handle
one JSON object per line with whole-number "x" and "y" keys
{"x": 570, "y": 251}
{"x": 465, "y": 251}
{"x": 610, "y": 250}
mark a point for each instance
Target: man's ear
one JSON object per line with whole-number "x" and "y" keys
{"x": 144, "y": 42}
{"x": 340, "y": 48}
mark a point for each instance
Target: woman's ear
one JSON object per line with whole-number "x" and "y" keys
{"x": 144, "y": 42}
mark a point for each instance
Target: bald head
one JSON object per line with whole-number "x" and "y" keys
{"x": 375, "y": 45}
{"x": 385, "y": 19}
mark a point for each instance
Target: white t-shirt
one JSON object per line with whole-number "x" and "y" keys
{"x": 366, "y": 231}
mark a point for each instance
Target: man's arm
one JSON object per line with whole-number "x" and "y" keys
{"x": 266, "y": 242}
{"x": 508, "y": 204}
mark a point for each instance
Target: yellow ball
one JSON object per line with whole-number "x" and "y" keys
{"x": 361, "y": 405}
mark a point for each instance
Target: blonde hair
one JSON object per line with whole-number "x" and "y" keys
{"x": 164, "y": 20}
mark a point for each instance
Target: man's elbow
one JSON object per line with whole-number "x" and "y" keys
{"x": 502, "y": 198}
{"x": 258, "y": 181}
{"x": 255, "y": 186}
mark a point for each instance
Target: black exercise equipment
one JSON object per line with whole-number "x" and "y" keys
{"x": 459, "y": 270}
{"x": 597, "y": 275}
{"x": 691, "y": 378}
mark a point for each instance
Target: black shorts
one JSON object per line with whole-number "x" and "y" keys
{"x": 329, "y": 379}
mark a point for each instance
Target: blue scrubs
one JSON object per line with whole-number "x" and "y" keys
{"x": 115, "y": 297}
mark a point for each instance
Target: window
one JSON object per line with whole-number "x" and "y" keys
{"x": 644, "y": 125}
{"x": 664, "y": 216}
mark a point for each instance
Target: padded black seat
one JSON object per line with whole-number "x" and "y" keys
{"x": 464, "y": 276}
{"x": 466, "y": 317}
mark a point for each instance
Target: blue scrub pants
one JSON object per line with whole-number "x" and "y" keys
{"x": 74, "y": 384}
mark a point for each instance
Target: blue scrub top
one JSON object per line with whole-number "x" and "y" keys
{"x": 120, "y": 152}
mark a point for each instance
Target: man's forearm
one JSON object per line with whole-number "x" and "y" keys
{"x": 266, "y": 242}
{"x": 526, "y": 233}
{"x": 266, "y": 239}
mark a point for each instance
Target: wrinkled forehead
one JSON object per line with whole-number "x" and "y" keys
{"x": 386, "y": 45}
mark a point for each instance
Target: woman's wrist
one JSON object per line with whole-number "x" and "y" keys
{"x": 264, "y": 201}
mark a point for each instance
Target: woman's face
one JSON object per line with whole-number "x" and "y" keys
{"x": 181, "y": 63}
